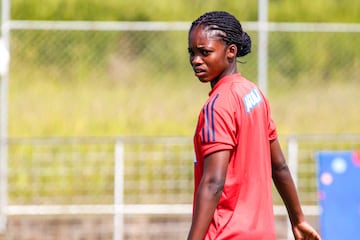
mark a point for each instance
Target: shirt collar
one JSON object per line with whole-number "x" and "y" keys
{"x": 225, "y": 79}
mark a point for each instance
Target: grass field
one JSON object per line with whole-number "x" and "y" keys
{"x": 43, "y": 108}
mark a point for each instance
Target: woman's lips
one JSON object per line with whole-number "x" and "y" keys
{"x": 199, "y": 72}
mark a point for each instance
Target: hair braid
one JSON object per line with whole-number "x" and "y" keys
{"x": 232, "y": 32}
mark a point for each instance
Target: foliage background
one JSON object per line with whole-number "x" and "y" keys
{"x": 186, "y": 10}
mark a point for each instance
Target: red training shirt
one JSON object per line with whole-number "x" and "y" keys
{"x": 236, "y": 117}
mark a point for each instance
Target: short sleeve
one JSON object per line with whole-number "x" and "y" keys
{"x": 272, "y": 132}
{"x": 218, "y": 129}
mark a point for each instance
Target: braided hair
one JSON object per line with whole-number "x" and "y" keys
{"x": 228, "y": 28}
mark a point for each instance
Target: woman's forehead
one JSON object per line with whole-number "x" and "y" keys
{"x": 206, "y": 33}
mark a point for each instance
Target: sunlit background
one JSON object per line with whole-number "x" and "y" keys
{"x": 92, "y": 84}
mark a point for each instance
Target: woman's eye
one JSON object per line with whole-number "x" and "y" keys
{"x": 191, "y": 53}
{"x": 204, "y": 52}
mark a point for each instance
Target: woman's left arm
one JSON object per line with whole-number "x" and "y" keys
{"x": 284, "y": 184}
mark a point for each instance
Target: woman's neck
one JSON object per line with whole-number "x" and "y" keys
{"x": 216, "y": 80}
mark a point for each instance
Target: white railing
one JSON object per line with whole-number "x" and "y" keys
{"x": 176, "y": 26}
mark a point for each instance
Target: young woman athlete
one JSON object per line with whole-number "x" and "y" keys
{"x": 236, "y": 146}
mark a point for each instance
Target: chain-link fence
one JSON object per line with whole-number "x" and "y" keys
{"x": 81, "y": 171}
{"x": 157, "y": 170}
{"x": 78, "y": 176}
{"x": 144, "y": 183}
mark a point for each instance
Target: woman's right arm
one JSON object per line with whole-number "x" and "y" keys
{"x": 209, "y": 193}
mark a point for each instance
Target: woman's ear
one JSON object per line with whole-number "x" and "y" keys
{"x": 231, "y": 51}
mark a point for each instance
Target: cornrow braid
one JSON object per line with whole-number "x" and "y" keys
{"x": 229, "y": 30}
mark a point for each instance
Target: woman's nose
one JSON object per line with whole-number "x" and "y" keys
{"x": 196, "y": 59}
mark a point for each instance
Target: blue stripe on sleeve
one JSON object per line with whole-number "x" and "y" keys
{"x": 213, "y": 118}
{"x": 208, "y": 130}
{"x": 203, "y": 129}
{"x": 207, "y": 122}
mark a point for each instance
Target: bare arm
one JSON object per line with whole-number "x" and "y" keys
{"x": 209, "y": 192}
{"x": 286, "y": 188}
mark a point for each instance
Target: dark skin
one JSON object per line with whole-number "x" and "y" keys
{"x": 209, "y": 192}
{"x": 211, "y": 60}
{"x": 210, "y": 57}
{"x": 286, "y": 188}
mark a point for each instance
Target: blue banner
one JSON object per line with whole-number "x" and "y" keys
{"x": 339, "y": 194}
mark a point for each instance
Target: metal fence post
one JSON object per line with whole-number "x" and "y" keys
{"x": 4, "y": 62}
{"x": 263, "y": 44}
{"x": 293, "y": 150}
{"x": 119, "y": 191}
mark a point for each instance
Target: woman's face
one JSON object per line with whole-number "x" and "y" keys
{"x": 209, "y": 55}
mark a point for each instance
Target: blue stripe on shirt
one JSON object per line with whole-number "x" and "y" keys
{"x": 212, "y": 117}
{"x": 208, "y": 130}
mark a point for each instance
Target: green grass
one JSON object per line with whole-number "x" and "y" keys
{"x": 45, "y": 108}
{"x": 322, "y": 109}
{"x": 48, "y": 108}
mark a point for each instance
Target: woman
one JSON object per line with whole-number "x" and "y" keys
{"x": 236, "y": 146}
